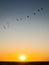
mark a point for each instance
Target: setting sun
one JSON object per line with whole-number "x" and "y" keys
{"x": 22, "y": 58}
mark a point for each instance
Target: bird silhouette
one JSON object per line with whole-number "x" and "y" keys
{"x": 34, "y": 13}
{"x": 21, "y": 18}
{"x": 17, "y": 19}
{"x": 8, "y": 24}
{"x": 27, "y": 16}
{"x": 38, "y": 10}
{"x": 4, "y": 26}
{"x": 42, "y": 9}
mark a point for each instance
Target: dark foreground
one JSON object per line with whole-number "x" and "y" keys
{"x": 24, "y": 63}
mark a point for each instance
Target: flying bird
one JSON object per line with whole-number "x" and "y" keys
{"x": 27, "y": 16}
{"x": 8, "y": 24}
{"x": 38, "y": 10}
{"x": 34, "y": 13}
{"x": 42, "y": 9}
{"x": 17, "y": 19}
{"x": 21, "y": 18}
{"x": 4, "y": 26}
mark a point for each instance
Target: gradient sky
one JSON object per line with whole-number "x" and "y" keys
{"x": 28, "y": 36}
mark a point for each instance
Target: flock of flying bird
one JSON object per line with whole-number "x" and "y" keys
{"x": 5, "y": 26}
{"x": 33, "y": 13}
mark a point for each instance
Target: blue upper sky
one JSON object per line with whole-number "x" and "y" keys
{"x": 18, "y": 30}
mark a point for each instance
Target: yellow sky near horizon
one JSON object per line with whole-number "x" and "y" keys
{"x": 32, "y": 56}
{"x": 24, "y": 30}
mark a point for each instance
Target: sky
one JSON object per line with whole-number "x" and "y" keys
{"x": 24, "y": 29}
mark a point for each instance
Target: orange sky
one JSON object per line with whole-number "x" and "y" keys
{"x": 32, "y": 56}
{"x": 20, "y": 34}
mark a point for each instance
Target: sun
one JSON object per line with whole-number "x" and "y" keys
{"x": 22, "y": 57}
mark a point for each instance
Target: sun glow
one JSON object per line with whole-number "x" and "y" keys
{"x": 22, "y": 57}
